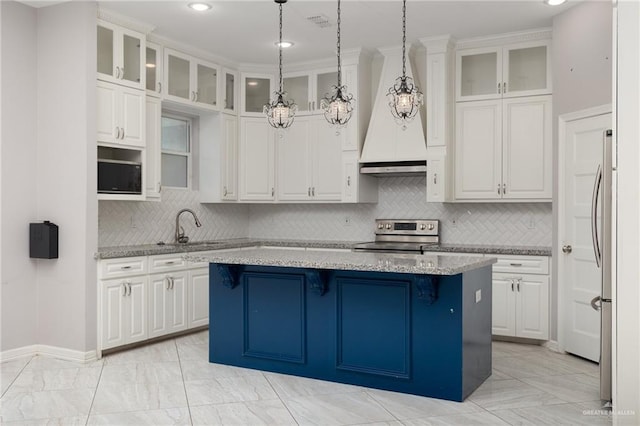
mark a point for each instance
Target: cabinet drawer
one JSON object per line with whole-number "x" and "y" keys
{"x": 522, "y": 264}
{"x": 113, "y": 268}
{"x": 167, "y": 262}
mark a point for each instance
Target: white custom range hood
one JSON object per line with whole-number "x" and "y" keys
{"x": 388, "y": 149}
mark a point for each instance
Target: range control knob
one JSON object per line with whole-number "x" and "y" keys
{"x": 423, "y": 226}
{"x": 430, "y": 227}
{"x": 388, "y": 226}
{"x": 380, "y": 226}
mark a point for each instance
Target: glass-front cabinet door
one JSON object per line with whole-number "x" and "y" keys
{"x": 256, "y": 92}
{"x": 229, "y": 90}
{"x": 178, "y": 76}
{"x": 527, "y": 69}
{"x": 206, "y": 84}
{"x": 479, "y": 74}
{"x": 298, "y": 89}
{"x": 325, "y": 80}
{"x": 153, "y": 67}
{"x": 120, "y": 55}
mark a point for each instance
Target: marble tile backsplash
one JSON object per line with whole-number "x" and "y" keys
{"x": 130, "y": 223}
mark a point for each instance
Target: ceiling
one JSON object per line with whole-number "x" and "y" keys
{"x": 245, "y": 31}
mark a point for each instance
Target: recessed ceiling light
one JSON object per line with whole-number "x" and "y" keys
{"x": 200, "y": 7}
{"x": 284, "y": 44}
{"x": 554, "y": 2}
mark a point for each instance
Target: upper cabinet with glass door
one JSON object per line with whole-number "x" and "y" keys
{"x": 153, "y": 67}
{"x": 308, "y": 88}
{"x": 522, "y": 69}
{"x": 121, "y": 55}
{"x": 256, "y": 91}
{"x": 189, "y": 80}
{"x": 230, "y": 91}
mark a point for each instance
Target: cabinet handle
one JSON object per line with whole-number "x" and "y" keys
{"x": 435, "y": 178}
{"x": 224, "y": 191}
{"x": 504, "y": 87}
{"x": 515, "y": 264}
{"x": 159, "y": 187}
{"x": 129, "y": 288}
{"x": 167, "y": 279}
{"x": 313, "y": 191}
{"x": 172, "y": 282}
{"x": 499, "y": 91}
{"x": 124, "y": 289}
{"x": 159, "y": 87}
{"x": 273, "y": 192}
{"x": 511, "y": 285}
{"x": 309, "y": 106}
{"x": 504, "y": 188}
{"x": 169, "y": 262}
{"x": 122, "y": 73}
{"x": 116, "y": 130}
{"x": 348, "y": 180}
{"x": 122, "y": 137}
{"x": 195, "y": 96}
{"x": 118, "y": 72}
{"x": 518, "y": 286}
{"x": 498, "y": 189}
{"x": 125, "y": 267}
{"x": 309, "y": 191}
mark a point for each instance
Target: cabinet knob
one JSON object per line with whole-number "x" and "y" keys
{"x": 567, "y": 249}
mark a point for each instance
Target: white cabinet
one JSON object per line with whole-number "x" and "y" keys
{"x": 256, "y": 91}
{"x": 257, "y": 160}
{"x": 309, "y": 153}
{"x": 167, "y": 303}
{"x": 198, "y": 297}
{"x": 154, "y": 69}
{"x": 154, "y": 153}
{"x": 309, "y": 87}
{"x": 191, "y": 81}
{"x": 121, "y": 114}
{"x": 218, "y": 158}
{"x": 503, "y": 149}
{"x": 120, "y": 55}
{"x": 520, "y": 69}
{"x": 123, "y": 311}
{"x": 229, "y": 90}
{"x": 520, "y": 304}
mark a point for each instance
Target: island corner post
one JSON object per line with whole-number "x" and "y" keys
{"x": 421, "y": 334}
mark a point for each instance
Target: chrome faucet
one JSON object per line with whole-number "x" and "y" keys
{"x": 180, "y": 237}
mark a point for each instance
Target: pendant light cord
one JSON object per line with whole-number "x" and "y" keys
{"x": 280, "y": 49}
{"x": 404, "y": 37}
{"x": 338, "y": 44}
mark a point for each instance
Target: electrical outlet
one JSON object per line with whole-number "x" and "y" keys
{"x": 454, "y": 223}
{"x": 531, "y": 224}
{"x": 478, "y": 296}
{"x": 347, "y": 221}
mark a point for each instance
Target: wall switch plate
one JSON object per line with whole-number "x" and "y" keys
{"x": 478, "y": 296}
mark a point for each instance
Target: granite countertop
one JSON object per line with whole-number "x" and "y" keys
{"x": 351, "y": 261}
{"x": 154, "y": 249}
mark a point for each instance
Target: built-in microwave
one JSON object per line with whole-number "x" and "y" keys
{"x": 119, "y": 177}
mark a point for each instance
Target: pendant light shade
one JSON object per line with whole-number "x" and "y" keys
{"x": 281, "y": 112}
{"x": 338, "y": 105}
{"x": 404, "y": 96}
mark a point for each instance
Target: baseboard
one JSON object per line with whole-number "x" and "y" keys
{"x": 50, "y": 351}
{"x": 553, "y": 345}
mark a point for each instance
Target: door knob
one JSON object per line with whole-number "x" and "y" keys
{"x": 567, "y": 249}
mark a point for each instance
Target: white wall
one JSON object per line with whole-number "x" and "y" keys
{"x": 66, "y": 173}
{"x": 582, "y": 62}
{"x": 627, "y": 300}
{"x": 18, "y": 157}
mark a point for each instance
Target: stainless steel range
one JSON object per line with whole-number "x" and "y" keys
{"x": 403, "y": 236}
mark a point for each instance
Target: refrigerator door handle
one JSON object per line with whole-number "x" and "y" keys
{"x": 594, "y": 303}
{"x": 594, "y": 216}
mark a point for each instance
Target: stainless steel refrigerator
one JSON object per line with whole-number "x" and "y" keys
{"x": 601, "y": 223}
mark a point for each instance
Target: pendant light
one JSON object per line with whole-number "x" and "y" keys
{"x": 404, "y": 97}
{"x": 280, "y": 112}
{"x": 338, "y": 107}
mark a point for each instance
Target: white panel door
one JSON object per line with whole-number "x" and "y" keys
{"x": 503, "y": 305}
{"x": 532, "y": 307}
{"x": 230, "y": 158}
{"x": 107, "y": 112}
{"x": 113, "y": 318}
{"x": 294, "y": 175}
{"x": 326, "y": 161}
{"x": 132, "y": 116}
{"x": 581, "y": 279}
{"x": 478, "y": 150}
{"x": 136, "y": 305}
{"x": 527, "y": 145}
{"x": 257, "y": 158}
{"x": 198, "y": 296}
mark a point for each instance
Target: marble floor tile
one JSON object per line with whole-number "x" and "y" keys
{"x": 60, "y": 421}
{"x": 123, "y": 397}
{"x": 502, "y": 349}
{"x": 22, "y": 406}
{"x": 287, "y": 386}
{"x": 6, "y": 379}
{"x": 201, "y": 370}
{"x": 481, "y": 418}
{"x": 228, "y": 389}
{"x": 499, "y": 375}
{"x": 254, "y": 413}
{"x": 552, "y": 415}
{"x": 42, "y": 362}
{"x": 155, "y": 352}
{"x": 503, "y": 394}
{"x": 33, "y": 380}
{"x": 390, "y": 423}
{"x": 193, "y": 352}
{"x": 198, "y": 338}
{"x": 570, "y": 388}
{"x": 530, "y": 366}
{"x": 14, "y": 364}
{"x": 404, "y": 406}
{"x": 142, "y": 372}
{"x": 338, "y": 409}
{"x": 168, "y": 416}
{"x": 571, "y": 362}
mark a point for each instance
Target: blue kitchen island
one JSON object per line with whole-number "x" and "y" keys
{"x": 407, "y": 323}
